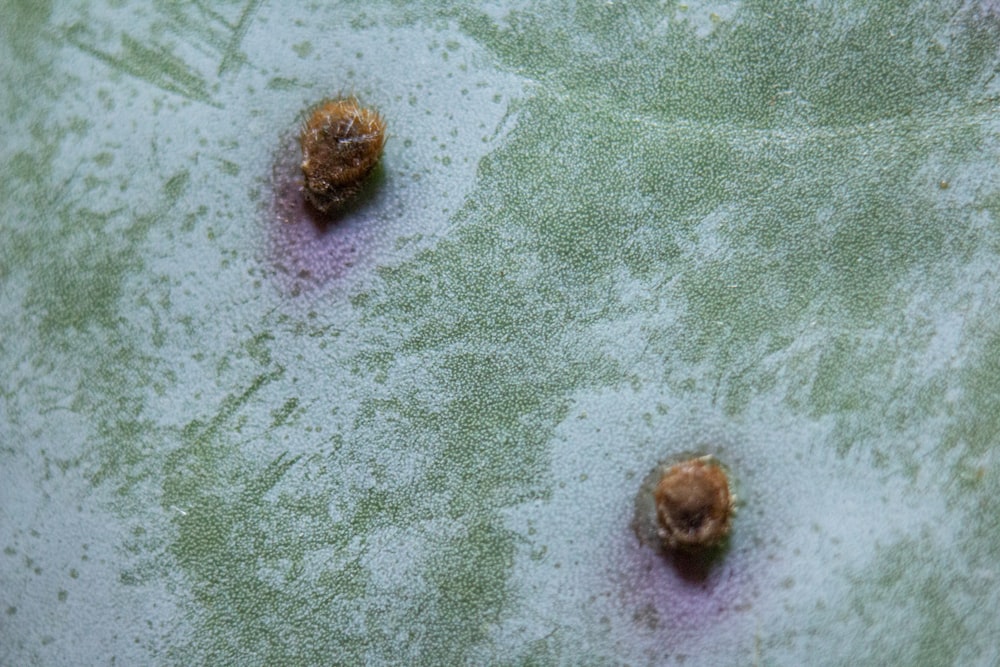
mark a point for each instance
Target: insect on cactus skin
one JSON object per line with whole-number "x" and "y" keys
{"x": 341, "y": 144}
{"x": 319, "y": 165}
{"x": 694, "y": 506}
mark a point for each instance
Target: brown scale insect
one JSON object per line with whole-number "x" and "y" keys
{"x": 341, "y": 144}
{"x": 694, "y": 506}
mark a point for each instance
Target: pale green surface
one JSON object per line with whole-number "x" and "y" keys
{"x": 605, "y": 233}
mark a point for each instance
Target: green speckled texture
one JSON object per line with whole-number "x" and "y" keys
{"x": 603, "y": 235}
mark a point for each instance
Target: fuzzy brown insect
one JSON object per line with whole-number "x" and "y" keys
{"x": 341, "y": 144}
{"x": 694, "y": 506}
